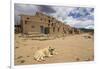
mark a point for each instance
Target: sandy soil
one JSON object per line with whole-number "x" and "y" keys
{"x": 70, "y": 49}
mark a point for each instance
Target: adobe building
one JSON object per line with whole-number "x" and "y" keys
{"x": 41, "y": 23}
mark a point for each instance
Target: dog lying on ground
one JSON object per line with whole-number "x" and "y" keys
{"x": 42, "y": 53}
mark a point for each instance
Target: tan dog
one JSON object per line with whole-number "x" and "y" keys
{"x": 42, "y": 53}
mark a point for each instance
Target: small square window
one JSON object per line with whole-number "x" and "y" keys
{"x": 25, "y": 22}
{"x": 27, "y": 17}
{"x": 52, "y": 24}
{"x": 32, "y": 26}
{"x": 41, "y": 19}
{"x": 49, "y": 21}
{"x": 48, "y": 24}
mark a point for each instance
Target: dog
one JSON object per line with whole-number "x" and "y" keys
{"x": 39, "y": 55}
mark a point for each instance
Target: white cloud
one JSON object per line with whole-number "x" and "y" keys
{"x": 61, "y": 12}
{"x": 82, "y": 24}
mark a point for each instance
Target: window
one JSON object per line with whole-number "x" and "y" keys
{"x": 27, "y": 17}
{"x": 41, "y": 19}
{"x": 58, "y": 29}
{"x": 52, "y": 24}
{"x": 53, "y": 29}
{"x": 48, "y": 16}
{"x": 25, "y": 22}
{"x": 32, "y": 26}
{"x": 52, "y": 18}
{"x": 63, "y": 28}
{"x": 49, "y": 21}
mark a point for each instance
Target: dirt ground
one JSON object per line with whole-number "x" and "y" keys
{"x": 70, "y": 49}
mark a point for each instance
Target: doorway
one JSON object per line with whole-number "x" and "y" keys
{"x": 46, "y": 30}
{"x": 42, "y": 29}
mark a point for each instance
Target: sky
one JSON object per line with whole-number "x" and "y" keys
{"x": 79, "y": 17}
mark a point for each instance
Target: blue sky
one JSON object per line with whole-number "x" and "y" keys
{"x": 79, "y": 17}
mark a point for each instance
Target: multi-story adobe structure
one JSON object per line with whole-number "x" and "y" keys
{"x": 41, "y": 23}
